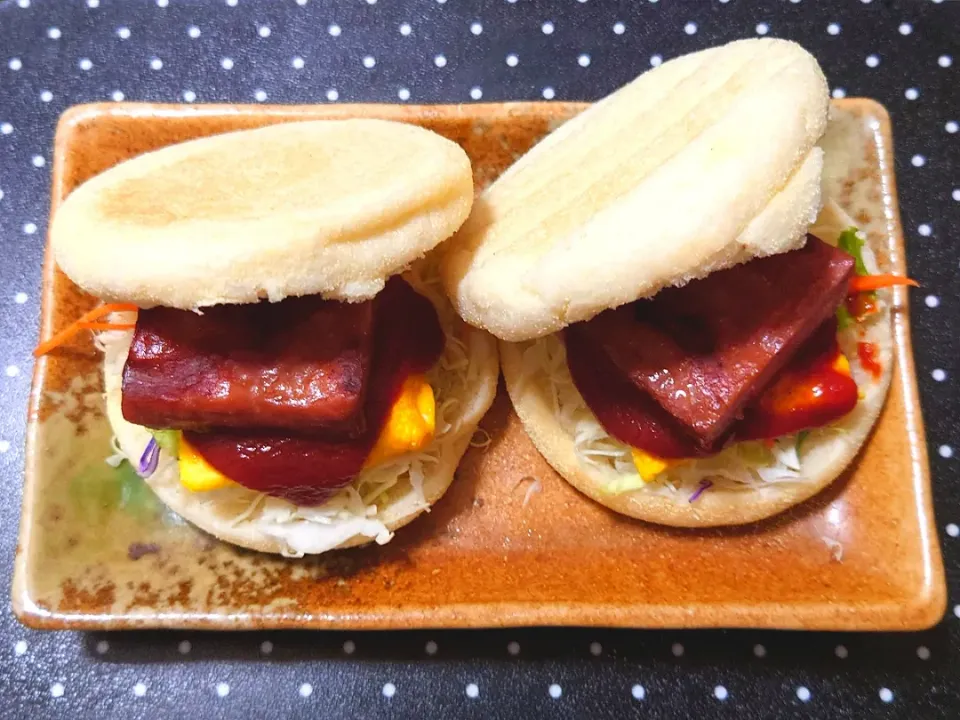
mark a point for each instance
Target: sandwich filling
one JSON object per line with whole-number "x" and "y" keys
{"x": 677, "y": 375}
{"x": 293, "y": 399}
{"x": 745, "y": 354}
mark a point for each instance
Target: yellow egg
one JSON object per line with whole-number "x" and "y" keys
{"x": 196, "y": 474}
{"x": 649, "y": 466}
{"x": 841, "y": 364}
{"x": 410, "y": 425}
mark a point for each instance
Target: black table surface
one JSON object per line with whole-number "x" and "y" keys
{"x": 56, "y": 53}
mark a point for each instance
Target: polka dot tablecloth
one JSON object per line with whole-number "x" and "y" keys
{"x": 55, "y": 53}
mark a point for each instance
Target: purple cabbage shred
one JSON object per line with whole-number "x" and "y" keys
{"x": 149, "y": 459}
{"x": 704, "y": 486}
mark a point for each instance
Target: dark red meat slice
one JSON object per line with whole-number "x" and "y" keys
{"x": 408, "y": 339}
{"x": 626, "y": 412}
{"x": 631, "y": 415}
{"x": 705, "y": 350}
{"x": 300, "y": 364}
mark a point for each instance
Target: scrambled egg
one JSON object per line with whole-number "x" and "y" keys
{"x": 409, "y": 427}
{"x": 841, "y": 364}
{"x": 649, "y": 466}
{"x": 196, "y": 473}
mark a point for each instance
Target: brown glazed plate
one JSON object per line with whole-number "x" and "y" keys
{"x": 97, "y": 550}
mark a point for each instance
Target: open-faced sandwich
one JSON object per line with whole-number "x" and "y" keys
{"x": 280, "y": 361}
{"x": 684, "y": 340}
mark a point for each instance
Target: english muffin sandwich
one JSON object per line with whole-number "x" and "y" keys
{"x": 680, "y": 344}
{"x": 280, "y": 362}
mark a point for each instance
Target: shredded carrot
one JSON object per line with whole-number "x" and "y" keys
{"x": 866, "y": 283}
{"x": 83, "y": 323}
{"x": 107, "y": 326}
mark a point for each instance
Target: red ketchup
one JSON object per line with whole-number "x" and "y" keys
{"x": 861, "y": 305}
{"x": 867, "y": 352}
{"x": 306, "y": 469}
{"x": 814, "y": 389}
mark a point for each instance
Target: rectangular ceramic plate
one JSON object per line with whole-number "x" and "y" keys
{"x": 96, "y": 551}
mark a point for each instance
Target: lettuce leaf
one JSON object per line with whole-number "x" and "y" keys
{"x": 851, "y": 243}
{"x": 844, "y": 318}
{"x": 168, "y": 440}
{"x": 625, "y": 483}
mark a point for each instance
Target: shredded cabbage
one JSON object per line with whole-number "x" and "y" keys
{"x": 534, "y": 487}
{"x": 480, "y": 439}
{"x": 835, "y": 547}
{"x": 117, "y": 457}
